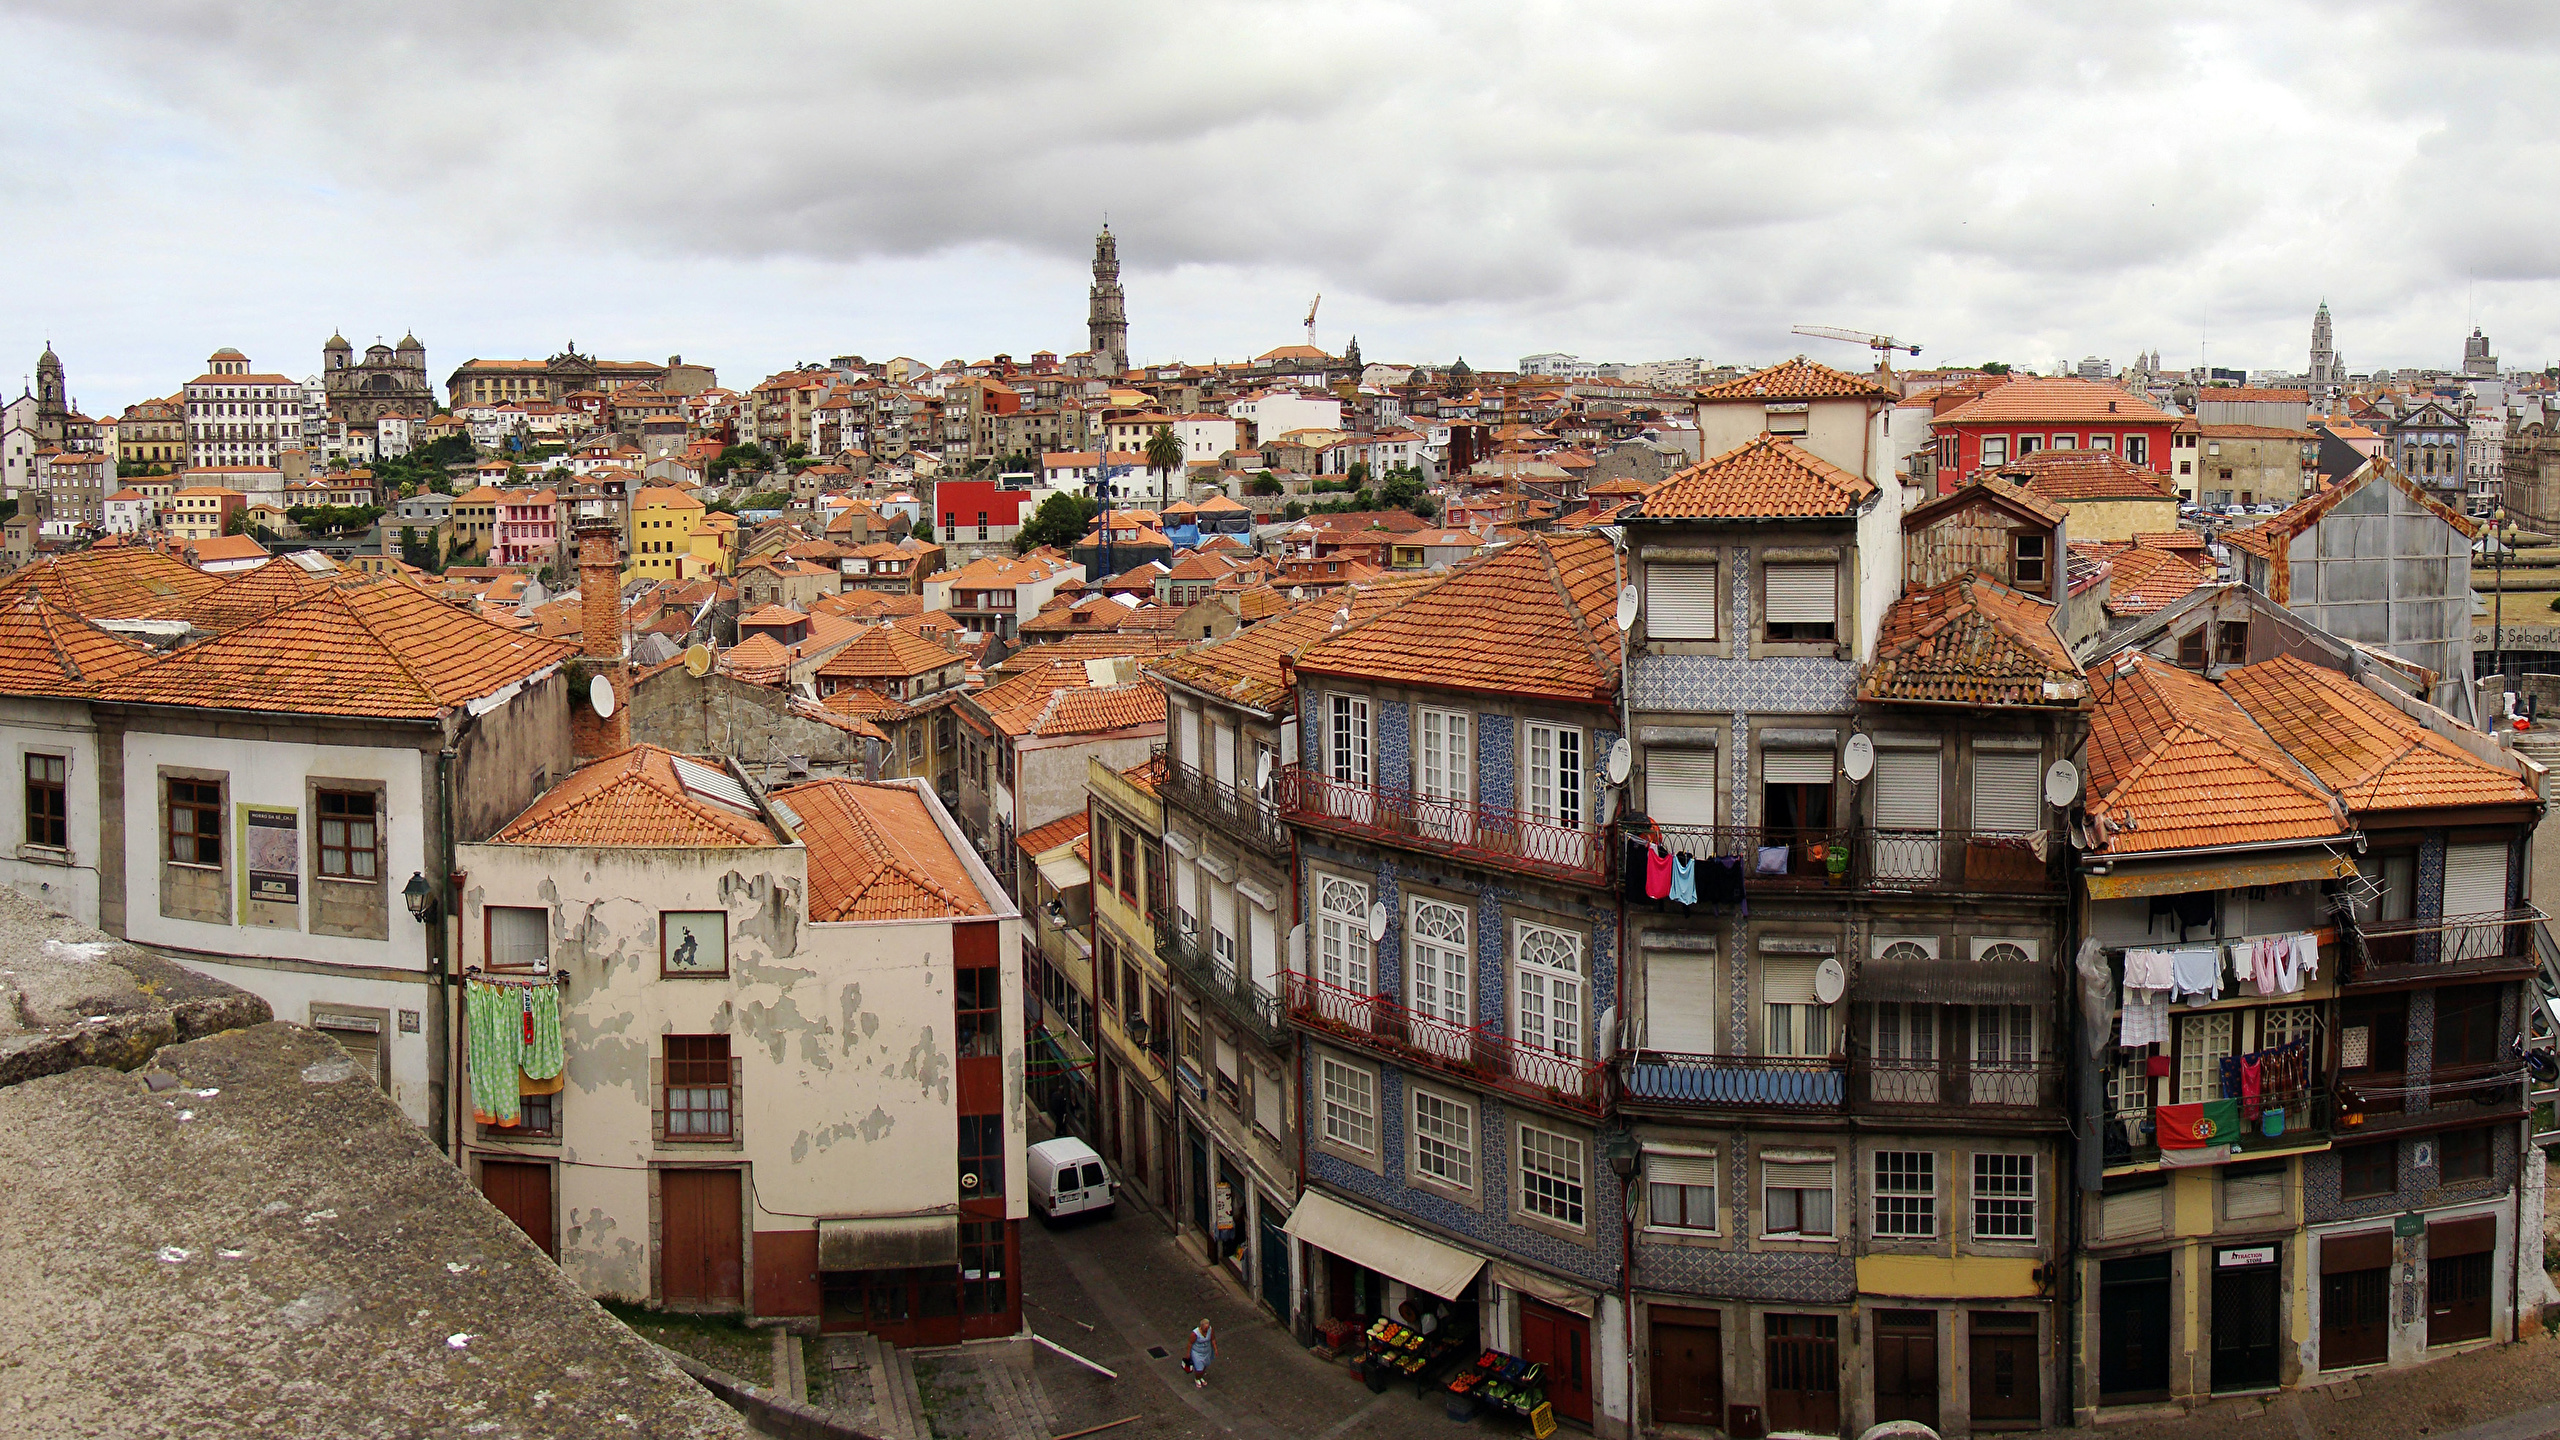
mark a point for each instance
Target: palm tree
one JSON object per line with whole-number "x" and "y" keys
{"x": 1164, "y": 457}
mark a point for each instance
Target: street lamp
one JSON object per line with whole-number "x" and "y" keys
{"x": 421, "y": 896}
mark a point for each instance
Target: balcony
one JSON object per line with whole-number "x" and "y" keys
{"x": 1772, "y": 858}
{"x": 1237, "y": 812}
{"x": 2506, "y": 944}
{"x": 1485, "y": 834}
{"x": 1971, "y": 1090}
{"x": 2374, "y": 1105}
{"x": 2311, "y": 1119}
{"x": 1960, "y": 861}
{"x": 1784, "y": 1084}
{"x": 1474, "y": 1055}
{"x": 1245, "y": 1003}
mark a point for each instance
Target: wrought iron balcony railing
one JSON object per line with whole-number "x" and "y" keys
{"x": 1790, "y": 1084}
{"x": 1492, "y": 834}
{"x": 1483, "y": 1058}
{"x": 1248, "y": 818}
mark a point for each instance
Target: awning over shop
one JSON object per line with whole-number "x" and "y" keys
{"x": 1065, "y": 872}
{"x": 888, "y": 1242}
{"x": 2124, "y": 884}
{"x": 1390, "y": 1249}
{"x": 1953, "y": 980}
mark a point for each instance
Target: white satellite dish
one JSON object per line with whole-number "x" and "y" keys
{"x": 1622, "y": 758}
{"x": 2061, "y": 783}
{"x": 600, "y": 695}
{"x": 697, "y": 660}
{"x": 1262, "y": 771}
{"x": 1377, "y": 921}
{"x": 1858, "y": 757}
{"x": 1830, "y": 981}
{"x": 1626, "y": 608}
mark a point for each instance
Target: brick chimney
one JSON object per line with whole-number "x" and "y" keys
{"x": 600, "y": 619}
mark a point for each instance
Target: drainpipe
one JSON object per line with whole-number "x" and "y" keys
{"x": 440, "y": 964}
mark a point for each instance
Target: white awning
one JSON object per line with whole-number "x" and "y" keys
{"x": 1390, "y": 1249}
{"x": 888, "y": 1242}
{"x": 1065, "y": 872}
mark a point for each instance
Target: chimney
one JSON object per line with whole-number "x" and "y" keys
{"x": 592, "y": 736}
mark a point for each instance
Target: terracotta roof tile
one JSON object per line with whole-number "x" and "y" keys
{"x": 2361, "y": 745}
{"x": 1767, "y": 477}
{"x": 2034, "y": 400}
{"x": 111, "y": 582}
{"x": 875, "y": 853}
{"x": 2066, "y": 476}
{"x": 1245, "y": 668}
{"x": 1973, "y": 641}
{"x": 45, "y": 650}
{"x": 255, "y": 594}
{"x": 635, "y": 799}
{"x": 887, "y": 652}
{"x": 1984, "y": 486}
{"x": 2145, "y": 580}
{"x": 1535, "y": 618}
{"x": 1066, "y": 828}
{"x": 1797, "y": 379}
{"x": 2176, "y": 764}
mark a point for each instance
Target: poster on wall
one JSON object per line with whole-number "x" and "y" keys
{"x": 693, "y": 942}
{"x": 271, "y": 862}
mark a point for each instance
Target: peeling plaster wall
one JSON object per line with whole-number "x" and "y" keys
{"x": 842, "y": 1036}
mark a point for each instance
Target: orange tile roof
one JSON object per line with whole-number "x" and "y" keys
{"x": 759, "y": 659}
{"x": 254, "y": 594}
{"x": 1087, "y": 710}
{"x": 110, "y": 582}
{"x": 1797, "y": 379}
{"x": 1245, "y": 668}
{"x": 875, "y": 853}
{"x": 1992, "y": 488}
{"x": 2176, "y": 764}
{"x": 635, "y": 799}
{"x": 774, "y": 615}
{"x": 2038, "y": 399}
{"x": 2145, "y": 581}
{"x": 386, "y": 651}
{"x": 2179, "y": 540}
{"x": 1767, "y": 477}
{"x": 225, "y": 547}
{"x": 2301, "y": 515}
{"x": 1972, "y": 641}
{"x": 886, "y": 652}
{"x": 2363, "y": 746}
{"x": 1536, "y": 618}
{"x": 46, "y": 650}
{"x": 862, "y": 703}
{"x": 2073, "y": 475}
{"x": 1063, "y": 830}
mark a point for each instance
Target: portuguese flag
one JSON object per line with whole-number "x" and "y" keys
{"x": 2212, "y": 1122}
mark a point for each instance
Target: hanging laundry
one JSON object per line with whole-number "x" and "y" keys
{"x": 2148, "y": 970}
{"x": 1632, "y": 873}
{"x": 1720, "y": 880}
{"x": 2306, "y": 953}
{"x": 2250, "y": 1067}
{"x": 2288, "y": 965}
{"x": 2193, "y": 909}
{"x": 2198, "y": 972}
{"x": 1657, "y": 873}
{"x": 1773, "y": 860}
{"x": 2146, "y": 1019}
{"x": 1684, "y": 880}
{"x": 491, "y": 1016}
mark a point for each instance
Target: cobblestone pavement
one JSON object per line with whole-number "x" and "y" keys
{"x": 1128, "y": 1279}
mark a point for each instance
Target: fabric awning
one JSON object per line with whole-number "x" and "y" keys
{"x": 888, "y": 1242}
{"x": 2128, "y": 884}
{"x": 1954, "y": 981}
{"x": 1390, "y": 1249}
{"x": 1065, "y": 872}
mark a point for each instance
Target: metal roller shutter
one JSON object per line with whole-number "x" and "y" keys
{"x": 2475, "y": 879}
{"x": 1680, "y": 602}
{"x": 1803, "y": 594}
{"x": 1680, "y": 786}
{"x": 2008, "y": 791}
{"x": 1907, "y": 785}
{"x": 1776, "y": 1174}
{"x": 1661, "y": 1169}
{"x": 1680, "y": 1003}
{"x": 1788, "y": 981}
{"x": 1798, "y": 767}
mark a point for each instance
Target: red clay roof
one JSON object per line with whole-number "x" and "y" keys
{"x": 111, "y": 582}
{"x": 2176, "y": 764}
{"x": 887, "y": 652}
{"x": 1767, "y": 477}
{"x": 875, "y": 853}
{"x": 1535, "y": 618}
{"x": 2066, "y": 476}
{"x": 1245, "y": 669}
{"x": 1993, "y": 489}
{"x": 1066, "y": 828}
{"x": 1797, "y": 379}
{"x": 2035, "y": 400}
{"x": 1972, "y": 641}
{"x": 635, "y": 799}
{"x": 46, "y": 650}
{"x": 2144, "y": 581}
{"x": 2363, "y": 746}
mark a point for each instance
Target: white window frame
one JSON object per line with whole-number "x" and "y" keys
{"x": 1443, "y": 1127}
{"x": 1347, "y": 1099}
{"x": 1671, "y": 610}
{"x": 1833, "y": 1204}
{"x": 1564, "y": 1173}
{"x": 1552, "y": 765}
{"x": 1349, "y": 739}
{"x": 1683, "y": 1170}
{"x": 1561, "y": 994}
{"x": 1444, "y": 756}
{"x": 1344, "y": 957}
{"x": 1904, "y": 1196}
{"x": 1436, "y": 962}
{"x": 2004, "y": 1173}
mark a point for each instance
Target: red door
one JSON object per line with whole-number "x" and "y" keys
{"x": 1561, "y": 1341}
{"x": 701, "y": 1257}
{"x": 522, "y": 1193}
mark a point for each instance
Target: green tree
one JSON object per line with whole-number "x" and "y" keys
{"x": 748, "y": 455}
{"x": 797, "y": 451}
{"x": 1164, "y": 455}
{"x": 1061, "y": 520}
{"x": 1265, "y": 483}
{"x": 236, "y": 523}
{"x": 1358, "y": 474}
{"x": 1293, "y": 511}
{"x": 1994, "y": 367}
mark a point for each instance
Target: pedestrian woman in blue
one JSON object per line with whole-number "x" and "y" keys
{"x": 1204, "y": 1348}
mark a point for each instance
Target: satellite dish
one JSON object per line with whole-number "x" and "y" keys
{"x": 1622, "y": 757}
{"x": 1262, "y": 771}
{"x": 600, "y": 695}
{"x": 1830, "y": 982}
{"x": 2061, "y": 783}
{"x": 1377, "y": 921}
{"x": 1297, "y": 592}
{"x": 697, "y": 661}
{"x": 1858, "y": 757}
{"x": 1626, "y": 608}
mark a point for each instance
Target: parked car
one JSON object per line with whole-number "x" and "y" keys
{"x": 1068, "y": 1179}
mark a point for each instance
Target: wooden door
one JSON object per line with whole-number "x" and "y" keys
{"x": 701, "y": 1254}
{"x": 522, "y": 1193}
{"x": 2133, "y": 1329}
{"x": 1906, "y": 1366}
{"x": 2006, "y": 1391}
{"x": 1688, "y": 1368}
{"x": 1803, "y": 1380}
{"x": 2245, "y": 1300}
{"x": 1561, "y": 1341}
{"x": 2458, "y": 1298}
{"x": 2355, "y": 1317}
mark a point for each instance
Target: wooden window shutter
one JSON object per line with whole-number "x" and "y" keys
{"x": 1680, "y": 601}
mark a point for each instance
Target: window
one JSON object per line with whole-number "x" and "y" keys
{"x": 2231, "y": 642}
{"x": 982, "y": 1285}
{"x": 2102, "y": 443}
{"x": 2373, "y": 1033}
{"x": 519, "y": 937}
{"x": 48, "y": 801}
{"x": 2202, "y": 1042}
{"x": 1787, "y": 419}
{"x": 2004, "y": 1034}
{"x": 1906, "y": 1194}
{"x": 1448, "y": 756}
{"x": 2027, "y": 561}
{"x": 1128, "y": 883}
{"x": 2004, "y": 1197}
{"x": 977, "y": 1005}
{"x": 1795, "y": 1196}
{"x": 2137, "y": 449}
{"x": 1342, "y": 934}
{"x": 195, "y": 822}
{"x": 1551, "y": 1176}
{"x": 2008, "y": 791}
{"x": 981, "y": 1157}
{"x": 1350, "y": 1105}
{"x": 2464, "y": 1155}
{"x": 1102, "y": 852}
{"x": 1906, "y": 1032}
{"x": 1795, "y": 794}
{"x": 699, "y": 1095}
{"x": 1555, "y": 774}
{"x": 2253, "y": 1192}
{"x": 1349, "y": 734}
{"x": 2029, "y": 444}
{"x": 1444, "y": 1147}
{"x": 1680, "y": 1192}
{"x": 1803, "y": 602}
{"x": 1548, "y": 978}
{"x": 2467, "y": 1028}
{"x": 2066, "y": 442}
{"x": 2365, "y": 1171}
{"x": 1995, "y": 450}
{"x": 1793, "y": 1022}
{"x": 1436, "y": 961}
{"x": 1679, "y": 601}
{"x": 2191, "y": 649}
{"x": 350, "y": 841}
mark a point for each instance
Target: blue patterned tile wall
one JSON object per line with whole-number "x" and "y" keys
{"x": 1395, "y": 746}
{"x": 1806, "y": 1277}
{"x": 1791, "y": 684}
{"x": 2430, "y": 892}
{"x": 1497, "y": 762}
{"x": 2421, "y": 1062}
{"x": 2418, "y": 1187}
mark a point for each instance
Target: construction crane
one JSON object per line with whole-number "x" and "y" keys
{"x": 1311, "y": 319}
{"x": 1883, "y": 345}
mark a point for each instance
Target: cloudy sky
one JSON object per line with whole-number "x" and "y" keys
{"x": 758, "y": 184}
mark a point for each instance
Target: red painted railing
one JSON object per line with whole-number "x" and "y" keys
{"x": 1485, "y": 1059}
{"x": 1497, "y": 834}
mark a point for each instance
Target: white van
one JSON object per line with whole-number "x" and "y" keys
{"x": 1067, "y": 1178}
